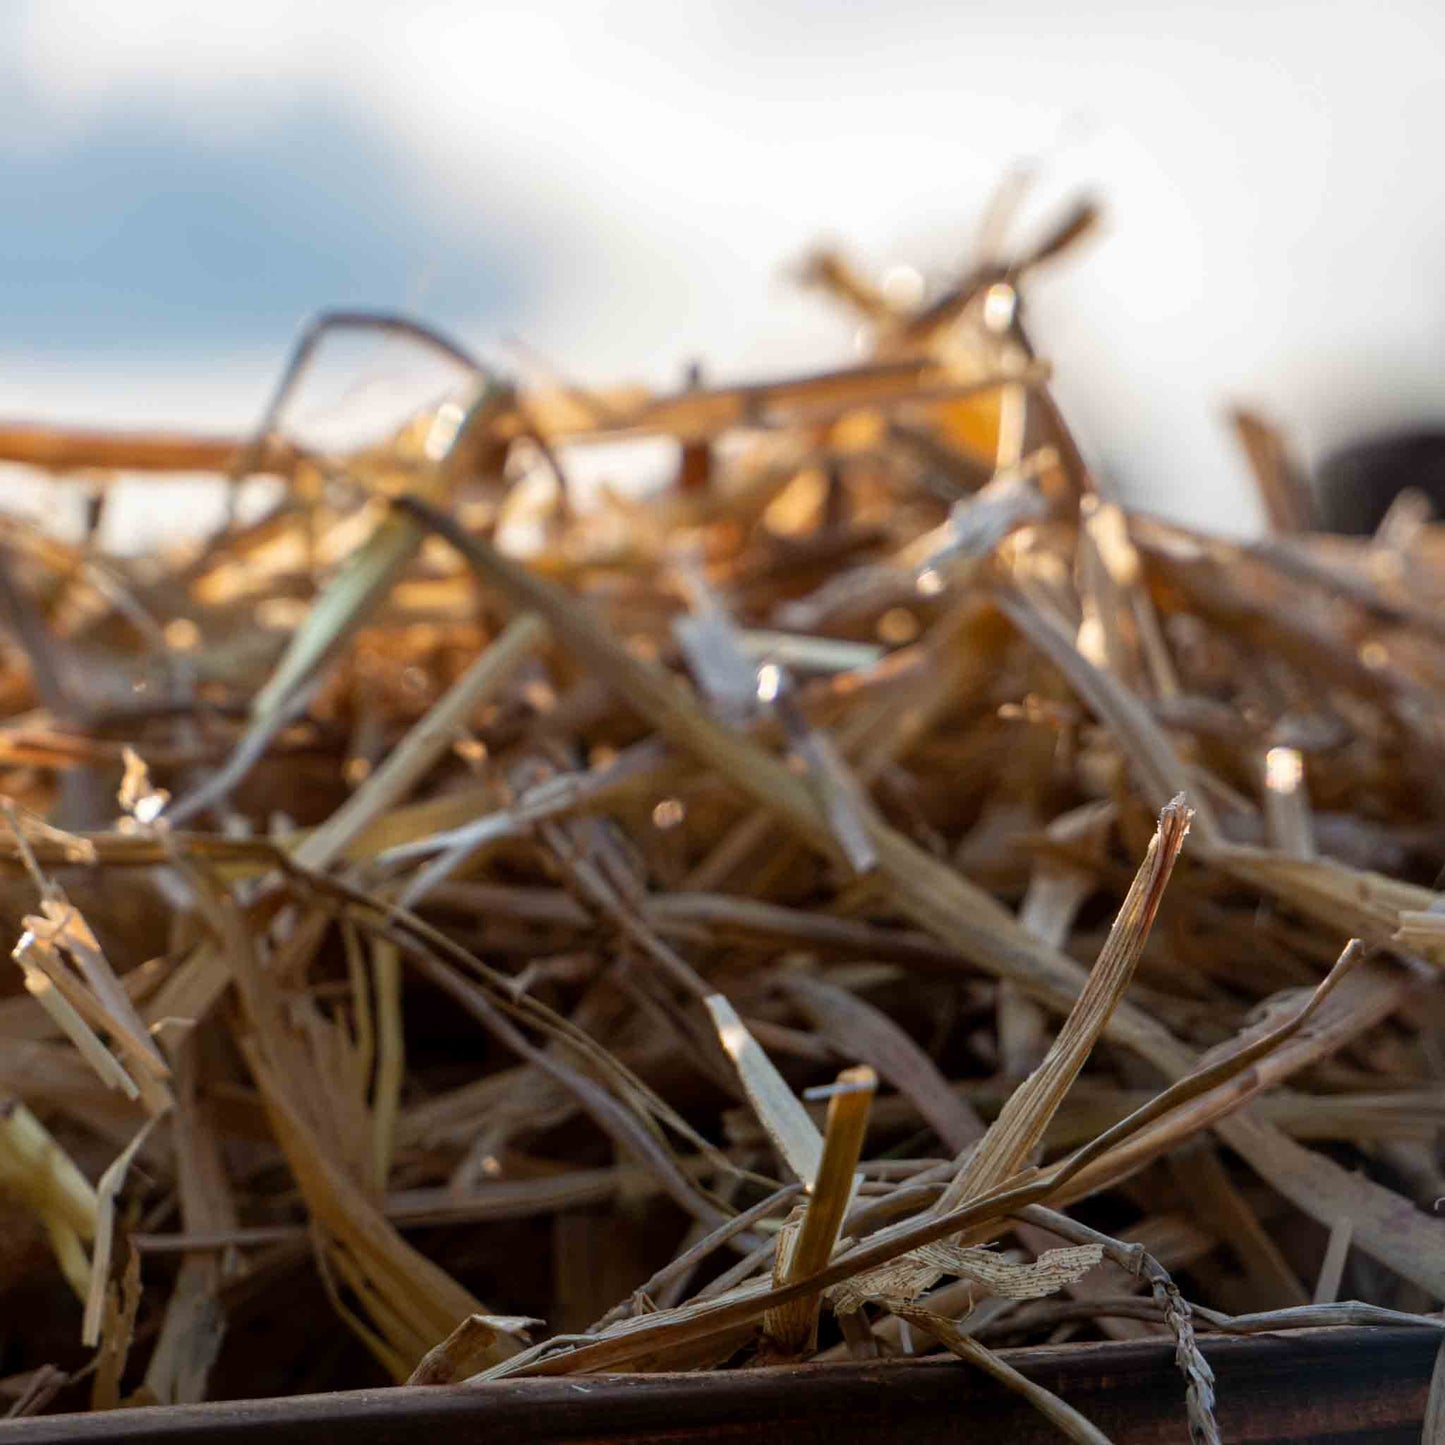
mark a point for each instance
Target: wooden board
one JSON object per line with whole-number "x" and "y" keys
{"x": 1345, "y": 1387}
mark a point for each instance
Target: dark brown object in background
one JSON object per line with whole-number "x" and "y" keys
{"x": 695, "y": 463}
{"x": 1355, "y": 486}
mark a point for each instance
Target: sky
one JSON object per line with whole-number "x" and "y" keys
{"x": 626, "y": 187}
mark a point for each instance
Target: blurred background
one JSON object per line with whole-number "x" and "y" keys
{"x": 623, "y": 189}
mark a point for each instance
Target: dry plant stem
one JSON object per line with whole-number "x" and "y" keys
{"x": 194, "y": 1322}
{"x": 303, "y": 353}
{"x": 412, "y": 1302}
{"x": 613, "y": 1119}
{"x": 63, "y": 450}
{"x": 1286, "y": 498}
{"x": 686, "y": 1262}
{"x": 855, "y": 1027}
{"x": 793, "y": 1329}
{"x": 423, "y": 746}
{"x": 111, "y": 1183}
{"x": 1149, "y": 751}
{"x": 1286, "y": 802}
{"x": 246, "y": 754}
{"x": 702, "y": 412}
{"x": 595, "y": 887}
{"x": 391, "y": 1061}
{"x": 1045, "y": 1313}
{"x": 121, "y": 1308}
{"x": 1199, "y": 1378}
{"x": 42, "y": 1386}
{"x": 1332, "y": 1268}
{"x": 1069, "y": 1421}
{"x": 1016, "y": 1132}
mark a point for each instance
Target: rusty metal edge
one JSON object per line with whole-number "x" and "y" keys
{"x": 1347, "y": 1386}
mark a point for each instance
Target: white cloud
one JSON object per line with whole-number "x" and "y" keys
{"x": 1274, "y": 209}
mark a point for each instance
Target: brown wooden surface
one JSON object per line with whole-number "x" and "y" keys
{"x": 1354, "y": 1385}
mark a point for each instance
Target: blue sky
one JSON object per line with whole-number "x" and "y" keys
{"x": 133, "y": 230}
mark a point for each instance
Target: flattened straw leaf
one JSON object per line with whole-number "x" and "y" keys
{"x": 466, "y": 1349}
{"x": 37, "y": 1171}
{"x": 779, "y": 1112}
{"x": 854, "y": 1027}
{"x": 345, "y": 604}
{"x": 111, "y": 1183}
{"x": 1032, "y": 1279}
{"x": 1056, "y": 892}
{"x": 368, "y": 575}
{"x": 990, "y": 1272}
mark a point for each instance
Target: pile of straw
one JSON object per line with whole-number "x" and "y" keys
{"x": 873, "y": 896}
